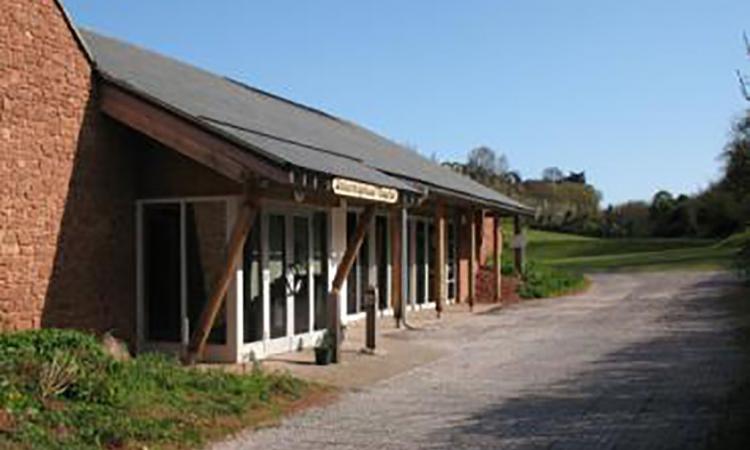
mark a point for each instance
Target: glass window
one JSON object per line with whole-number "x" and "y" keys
{"x": 320, "y": 268}
{"x": 300, "y": 274}
{"x": 252, "y": 315}
{"x": 381, "y": 259}
{"x": 205, "y": 233}
{"x": 420, "y": 260}
{"x": 278, "y": 282}
{"x": 161, "y": 272}
{"x": 451, "y": 259}
{"x": 351, "y": 278}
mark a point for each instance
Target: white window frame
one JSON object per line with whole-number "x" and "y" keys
{"x": 213, "y": 352}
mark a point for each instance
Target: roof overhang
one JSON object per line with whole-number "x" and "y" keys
{"x": 222, "y": 153}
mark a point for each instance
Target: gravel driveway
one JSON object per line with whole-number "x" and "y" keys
{"x": 641, "y": 361}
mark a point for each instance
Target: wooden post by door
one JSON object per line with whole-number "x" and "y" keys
{"x": 439, "y": 243}
{"x": 242, "y": 227}
{"x": 352, "y": 249}
{"x": 396, "y": 243}
{"x": 498, "y": 253}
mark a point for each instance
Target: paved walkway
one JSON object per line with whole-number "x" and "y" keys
{"x": 641, "y": 361}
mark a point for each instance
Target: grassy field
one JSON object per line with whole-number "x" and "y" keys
{"x": 594, "y": 254}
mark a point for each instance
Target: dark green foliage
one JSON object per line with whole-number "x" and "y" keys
{"x": 106, "y": 403}
{"x": 541, "y": 281}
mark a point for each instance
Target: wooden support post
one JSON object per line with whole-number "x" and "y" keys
{"x": 396, "y": 243}
{"x": 498, "y": 253}
{"x": 518, "y": 249}
{"x": 242, "y": 227}
{"x": 472, "y": 258}
{"x": 347, "y": 261}
{"x": 439, "y": 244}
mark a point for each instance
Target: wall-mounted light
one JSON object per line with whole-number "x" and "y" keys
{"x": 299, "y": 195}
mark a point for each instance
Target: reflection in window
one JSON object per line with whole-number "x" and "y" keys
{"x": 300, "y": 272}
{"x": 320, "y": 268}
{"x": 278, "y": 283}
{"x": 381, "y": 259}
{"x": 205, "y": 232}
{"x": 421, "y": 241}
{"x": 451, "y": 259}
{"x": 252, "y": 284}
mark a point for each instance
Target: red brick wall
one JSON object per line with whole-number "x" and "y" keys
{"x": 487, "y": 239}
{"x": 66, "y": 214}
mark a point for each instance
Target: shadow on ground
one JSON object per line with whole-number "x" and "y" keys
{"x": 684, "y": 388}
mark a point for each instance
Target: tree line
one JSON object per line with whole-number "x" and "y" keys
{"x": 568, "y": 203}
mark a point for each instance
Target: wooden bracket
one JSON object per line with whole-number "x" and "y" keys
{"x": 241, "y": 230}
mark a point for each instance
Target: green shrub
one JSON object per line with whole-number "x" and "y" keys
{"x": 64, "y": 391}
{"x": 541, "y": 281}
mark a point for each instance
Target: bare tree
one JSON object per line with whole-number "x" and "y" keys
{"x": 744, "y": 81}
{"x": 482, "y": 161}
{"x": 552, "y": 174}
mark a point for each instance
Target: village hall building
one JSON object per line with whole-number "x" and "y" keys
{"x": 146, "y": 197}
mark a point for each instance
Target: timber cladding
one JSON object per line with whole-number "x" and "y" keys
{"x": 66, "y": 215}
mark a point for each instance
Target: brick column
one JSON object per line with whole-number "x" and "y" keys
{"x": 498, "y": 253}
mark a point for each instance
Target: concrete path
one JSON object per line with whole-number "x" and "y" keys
{"x": 641, "y": 361}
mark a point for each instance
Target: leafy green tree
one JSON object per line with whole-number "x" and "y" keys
{"x": 737, "y": 160}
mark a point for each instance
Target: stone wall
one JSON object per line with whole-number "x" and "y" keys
{"x": 66, "y": 190}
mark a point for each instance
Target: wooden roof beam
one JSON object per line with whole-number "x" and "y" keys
{"x": 186, "y": 137}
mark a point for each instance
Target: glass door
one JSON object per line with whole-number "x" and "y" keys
{"x": 294, "y": 266}
{"x": 161, "y": 272}
{"x": 277, "y": 274}
{"x": 381, "y": 259}
{"x": 183, "y": 245}
{"x": 320, "y": 269}
{"x": 358, "y": 278}
{"x": 300, "y": 274}
{"x": 420, "y": 258}
{"x": 451, "y": 263}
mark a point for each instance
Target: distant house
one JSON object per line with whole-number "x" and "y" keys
{"x": 127, "y": 178}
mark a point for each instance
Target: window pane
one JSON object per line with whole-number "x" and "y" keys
{"x": 161, "y": 260}
{"x": 420, "y": 262}
{"x": 276, "y": 262}
{"x": 252, "y": 284}
{"x": 381, "y": 258}
{"x": 363, "y": 264}
{"x": 451, "y": 260}
{"x": 205, "y": 228}
{"x": 300, "y": 272}
{"x": 431, "y": 257}
{"x": 351, "y": 279}
{"x": 320, "y": 269}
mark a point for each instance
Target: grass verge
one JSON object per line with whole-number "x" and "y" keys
{"x": 583, "y": 254}
{"x": 59, "y": 390}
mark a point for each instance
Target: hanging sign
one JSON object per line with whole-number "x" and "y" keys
{"x": 356, "y": 189}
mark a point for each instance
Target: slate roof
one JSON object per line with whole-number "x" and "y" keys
{"x": 281, "y": 130}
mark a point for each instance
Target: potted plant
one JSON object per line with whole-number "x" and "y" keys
{"x": 324, "y": 350}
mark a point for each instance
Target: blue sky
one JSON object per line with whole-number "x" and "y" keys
{"x": 639, "y": 94}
